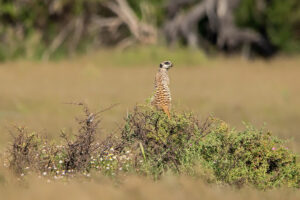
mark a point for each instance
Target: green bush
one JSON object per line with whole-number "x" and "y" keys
{"x": 152, "y": 145}
{"x": 29, "y": 28}
{"x": 158, "y": 141}
{"x": 251, "y": 157}
{"x": 278, "y": 20}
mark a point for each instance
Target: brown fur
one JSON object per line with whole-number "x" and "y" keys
{"x": 162, "y": 96}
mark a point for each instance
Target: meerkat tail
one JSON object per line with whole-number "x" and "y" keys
{"x": 166, "y": 110}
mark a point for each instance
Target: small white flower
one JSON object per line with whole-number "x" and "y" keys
{"x": 115, "y": 157}
{"x": 107, "y": 168}
{"x": 22, "y": 174}
{"x": 44, "y": 173}
{"x": 120, "y": 168}
{"x": 127, "y": 152}
{"x": 60, "y": 162}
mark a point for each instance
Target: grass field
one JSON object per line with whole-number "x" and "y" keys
{"x": 34, "y": 94}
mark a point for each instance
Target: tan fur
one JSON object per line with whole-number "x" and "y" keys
{"x": 162, "y": 96}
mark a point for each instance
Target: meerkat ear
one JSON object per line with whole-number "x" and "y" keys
{"x": 160, "y": 65}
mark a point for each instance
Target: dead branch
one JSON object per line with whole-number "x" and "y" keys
{"x": 58, "y": 40}
{"x": 221, "y": 22}
{"x": 143, "y": 33}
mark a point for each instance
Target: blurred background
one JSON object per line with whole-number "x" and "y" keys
{"x": 53, "y": 29}
{"x": 235, "y": 59}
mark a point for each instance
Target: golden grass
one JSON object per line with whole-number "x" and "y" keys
{"x": 34, "y": 93}
{"x": 169, "y": 188}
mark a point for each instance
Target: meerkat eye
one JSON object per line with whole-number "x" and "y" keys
{"x": 167, "y": 62}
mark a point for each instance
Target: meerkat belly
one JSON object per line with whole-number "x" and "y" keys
{"x": 162, "y": 96}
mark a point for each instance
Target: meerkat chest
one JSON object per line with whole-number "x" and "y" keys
{"x": 162, "y": 86}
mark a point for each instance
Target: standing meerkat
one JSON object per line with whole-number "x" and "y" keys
{"x": 162, "y": 95}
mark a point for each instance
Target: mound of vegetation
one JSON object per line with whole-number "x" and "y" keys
{"x": 152, "y": 145}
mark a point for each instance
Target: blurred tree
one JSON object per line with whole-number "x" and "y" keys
{"x": 277, "y": 20}
{"x": 56, "y": 28}
{"x": 216, "y": 18}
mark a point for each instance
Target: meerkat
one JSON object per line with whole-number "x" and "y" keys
{"x": 162, "y": 94}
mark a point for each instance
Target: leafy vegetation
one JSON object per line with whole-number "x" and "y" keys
{"x": 278, "y": 20}
{"x": 249, "y": 157}
{"x": 54, "y": 29}
{"x": 153, "y": 145}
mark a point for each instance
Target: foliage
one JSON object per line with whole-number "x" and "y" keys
{"x": 158, "y": 141}
{"x": 39, "y": 29}
{"x": 151, "y": 11}
{"x": 252, "y": 157}
{"x": 24, "y": 150}
{"x": 152, "y": 145}
{"x": 53, "y": 29}
{"x": 278, "y": 20}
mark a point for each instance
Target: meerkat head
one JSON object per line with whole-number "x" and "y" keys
{"x": 166, "y": 65}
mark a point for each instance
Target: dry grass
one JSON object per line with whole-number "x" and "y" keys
{"x": 33, "y": 94}
{"x": 134, "y": 188}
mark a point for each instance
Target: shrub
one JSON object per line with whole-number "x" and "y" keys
{"x": 78, "y": 152}
{"x": 30, "y": 151}
{"x": 159, "y": 142}
{"x": 250, "y": 157}
{"x": 151, "y": 144}
{"x": 24, "y": 151}
{"x": 276, "y": 19}
{"x": 253, "y": 157}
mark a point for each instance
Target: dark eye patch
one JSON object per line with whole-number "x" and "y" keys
{"x": 167, "y": 63}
